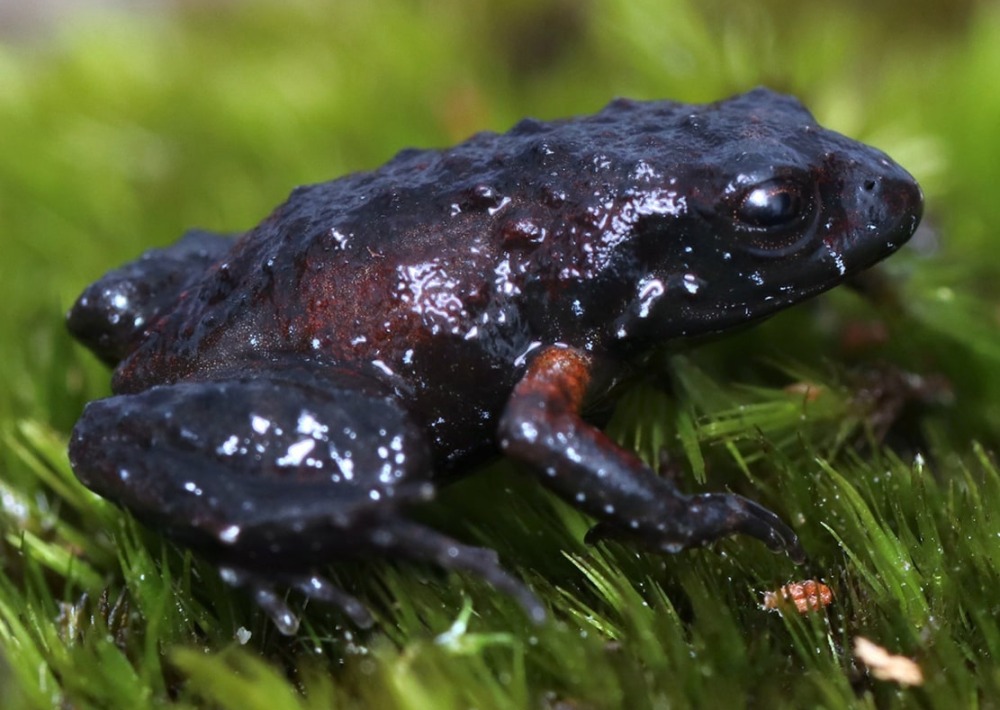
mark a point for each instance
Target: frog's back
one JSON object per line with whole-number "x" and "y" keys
{"x": 537, "y": 170}
{"x": 453, "y": 226}
{"x": 473, "y": 252}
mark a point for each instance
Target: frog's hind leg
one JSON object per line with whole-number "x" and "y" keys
{"x": 275, "y": 475}
{"x": 542, "y": 426}
{"x": 114, "y": 310}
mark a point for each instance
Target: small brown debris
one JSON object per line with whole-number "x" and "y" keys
{"x": 809, "y": 391}
{"x": 863, "y": 336}
{"x": 807, "y": 595}
{"x": 886, "y": 666}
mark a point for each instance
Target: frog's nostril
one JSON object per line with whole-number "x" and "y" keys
{"x": 869, "y": 185}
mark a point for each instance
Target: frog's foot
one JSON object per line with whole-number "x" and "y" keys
{"x": 312, "y": 586}
{"x": 393, "y": 538}
{"x": 701, "y": 519}
{"x": 422, "y": 544}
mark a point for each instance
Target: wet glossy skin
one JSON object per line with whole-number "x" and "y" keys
{"x": 284, "y": 397}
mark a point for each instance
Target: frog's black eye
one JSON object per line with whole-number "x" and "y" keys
{"x": 775, "y": 212}
{"x": 773, "y": 204}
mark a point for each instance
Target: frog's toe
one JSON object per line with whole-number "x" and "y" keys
{"x": 422, "y": 544}
{"x": 726, "y": 513}
{"x": 274, "y": 606}
{"x": 265, "y": 597}
{"x": 311, "y": 585}
{"x": 321, "y": 589}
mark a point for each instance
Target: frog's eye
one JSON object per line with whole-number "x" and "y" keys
{"x": 774, "y": 211}
{"x": 774, "y": 204}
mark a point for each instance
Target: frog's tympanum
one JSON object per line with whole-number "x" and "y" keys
{"x": 285, "y": 397}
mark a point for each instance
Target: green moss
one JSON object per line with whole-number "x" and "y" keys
{"x": 124, "y": 130}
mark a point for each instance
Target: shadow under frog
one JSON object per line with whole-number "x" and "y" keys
{"x": 284, "y": 397}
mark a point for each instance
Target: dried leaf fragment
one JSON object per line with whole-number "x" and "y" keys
{"x": 885, "y": 665}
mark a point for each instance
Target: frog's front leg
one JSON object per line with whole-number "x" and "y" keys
{"x": 542, "y": 426}
{"x": 275, "y": 475}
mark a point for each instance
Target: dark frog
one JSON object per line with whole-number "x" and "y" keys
{"x": 283, "y": 398}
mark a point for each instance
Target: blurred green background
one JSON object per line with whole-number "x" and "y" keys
{"x": 121, "y": 128}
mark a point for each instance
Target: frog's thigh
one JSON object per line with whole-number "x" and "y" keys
{"x": 249, "y": 451}
{"x": 281, "y": 475}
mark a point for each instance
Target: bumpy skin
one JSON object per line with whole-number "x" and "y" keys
{"x": 283, "y": 396}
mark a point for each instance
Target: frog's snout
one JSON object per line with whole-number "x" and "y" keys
{"x": 894, "y": 203}
{"x": 882, "y": 212}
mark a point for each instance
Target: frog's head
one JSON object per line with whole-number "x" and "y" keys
{"x": 767, "y": 208}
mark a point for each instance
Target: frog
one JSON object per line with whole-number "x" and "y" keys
{"x": 291, "y": 397}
